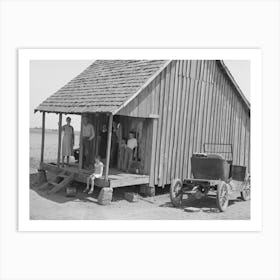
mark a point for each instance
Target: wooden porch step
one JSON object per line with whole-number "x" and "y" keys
{"x": 63, "y": 175}
{"x": 63, "y": 184}
{"x": 43, "y": 186}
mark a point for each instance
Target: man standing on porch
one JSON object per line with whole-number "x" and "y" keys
{"x": 130, "y": 150}
{"x": 88, "y": 135}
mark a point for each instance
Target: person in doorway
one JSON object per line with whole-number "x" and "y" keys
{"x": 103, "y": 138}
{"x": 88, "y": 136}
{"x": 130, "y": 150}
{"x": 67, "y": 141}
{"x": 121, "y": 153}
{"x": 98, "y": 171}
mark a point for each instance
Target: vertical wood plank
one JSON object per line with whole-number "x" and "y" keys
{"x": 160, "y": 96}
{"x": 200, "y": 117}
{"x": 218, "y": 111}
{"x": 173, "y": 124}
{"x": 81, "y": 148}
{"x": 229, "y": 140}
{"x": 228, "y": 108}
{"x": 234, "y": 130}
{"x": 97, "y": 130}
{"x": 170, "y": 92}
{"x": 236, "y": 134}
{"x": 205, "y": 113}
{"x": 186, "y": 168}
{"x": 212, "y": 114}
{"x": 163, "y": 134}
{"x": 214, "y": 103}
{"x": 209, "y": 106}
{"x": 186, "y": 84}
{"x": 43, "y": 136}
{"x": 108, "y": 152}
{"x": 178, "y": 129}
{"x": 193, "y": 69}
{"x": 242, "y": 140}
{"x": 225, "y": 113}
{"x": 194, "y": 117}
{"x": 59, "y": 139}
{"x": 153, "y": 152}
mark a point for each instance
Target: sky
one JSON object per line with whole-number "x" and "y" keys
{"x": 48, "y": 76}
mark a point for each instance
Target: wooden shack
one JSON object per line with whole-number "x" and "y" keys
{"x": 175, "y": 107}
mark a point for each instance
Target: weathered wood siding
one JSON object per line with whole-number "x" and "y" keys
{"x": 196, "y": 104}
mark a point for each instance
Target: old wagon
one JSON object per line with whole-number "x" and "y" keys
{"x": 212, "y": 175}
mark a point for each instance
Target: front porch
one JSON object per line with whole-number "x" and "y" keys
{"x": 116, "y": 178}
{"x": 112, "y": 177}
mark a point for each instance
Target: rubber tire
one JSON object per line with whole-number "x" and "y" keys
{"x": 176, "y": 200}
{"x": 246, "y": 196}
{"x": 220, "y": 188}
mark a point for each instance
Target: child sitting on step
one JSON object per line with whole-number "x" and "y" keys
{"x": 98, "y": 171}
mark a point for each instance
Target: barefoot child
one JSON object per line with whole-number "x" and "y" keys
{"x": 98, "y": 170}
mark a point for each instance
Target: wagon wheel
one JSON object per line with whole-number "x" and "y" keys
{"x": 222, "y": 196}
{"x": 246, "y": 192}
{"x": 176, "y": 194}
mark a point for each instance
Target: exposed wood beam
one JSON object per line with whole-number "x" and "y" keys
{"x": 81, "y": 149}
{"x": 59, "y": 139}
{"x": 153, "y": 152}
{"x": 108, "y": 146}
{"x": 43, "y": 136}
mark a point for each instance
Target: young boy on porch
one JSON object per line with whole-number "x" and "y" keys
{"x": 98, "y": 171}
{"x": 129, "y": 150}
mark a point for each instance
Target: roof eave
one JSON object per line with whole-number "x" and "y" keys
{"x": 72, "y": 112}
{"x": 243, "y": 97}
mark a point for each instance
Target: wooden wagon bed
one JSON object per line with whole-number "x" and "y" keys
{"x": 116, "y": 177}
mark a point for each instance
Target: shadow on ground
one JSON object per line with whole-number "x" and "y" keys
{"x": 209, "y": 202}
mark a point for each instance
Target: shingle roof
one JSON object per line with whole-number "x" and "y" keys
{"x": 103, "y": 86}
{"x": 107, "y": 84}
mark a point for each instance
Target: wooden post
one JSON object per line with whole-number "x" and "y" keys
{"x": 97, "y": 129}
{"x": 153, "y": 152}
{"x": 59, "y": 139}
{"x": 108, "y": 146}
{"x": 43, "y": 137}
{"x": 81, "y": 150}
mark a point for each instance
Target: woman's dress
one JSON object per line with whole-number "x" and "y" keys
{"x": 67, "y": 141}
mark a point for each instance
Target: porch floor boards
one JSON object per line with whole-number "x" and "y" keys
{"x": 116, "y": 177}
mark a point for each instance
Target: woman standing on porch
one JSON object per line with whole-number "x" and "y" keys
{"x": 67, "y": 141}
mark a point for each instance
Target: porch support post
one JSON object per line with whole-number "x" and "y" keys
{"x": 108, "y": 146}
{"x": 43, "y": 136}
{"x": 81, "y": 150}
{"x": 153, "y": 152}
{"x": 59, "y": 139}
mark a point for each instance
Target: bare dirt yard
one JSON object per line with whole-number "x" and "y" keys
{"x": 85, "y": 207}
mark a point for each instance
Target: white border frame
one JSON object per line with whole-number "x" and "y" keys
{"x": 24, "y": 222}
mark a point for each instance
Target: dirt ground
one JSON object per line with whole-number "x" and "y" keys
{"x": 85, "y": 207}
